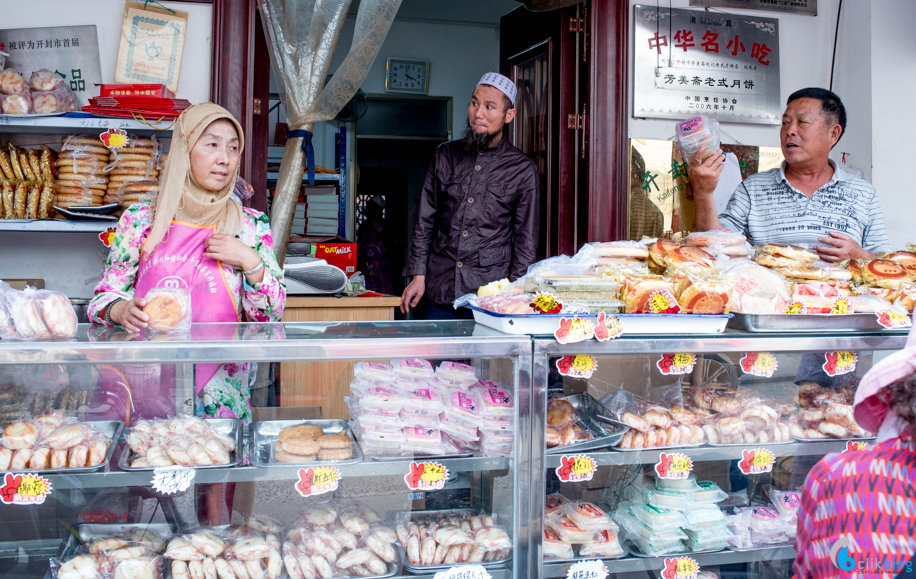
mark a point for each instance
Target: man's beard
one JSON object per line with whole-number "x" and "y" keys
{"x": 474, "y": 142}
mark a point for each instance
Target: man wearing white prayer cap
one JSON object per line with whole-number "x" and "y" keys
{"x": 478, "y": 216}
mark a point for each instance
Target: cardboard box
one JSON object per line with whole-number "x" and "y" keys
{"x": 337, "y": 251}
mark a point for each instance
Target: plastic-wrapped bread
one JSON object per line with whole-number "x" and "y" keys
{"x": 46, "y": 200}
{"x": 18, "y": 104}
{"x": 6, "y": 199}
{"x": 32, "y": 202}
{"x": 45, "y": 80}
{"x": 20, "y": 198}
{"x": 169, "y": 310}
{"x": 5, "y": 168}
{"x": 13, "y": 152}
{"x": 34, "y": 157}
{"x": 26, "y": 167}
{"x": 46, "y": 161}
{"x": 12, "y": 83}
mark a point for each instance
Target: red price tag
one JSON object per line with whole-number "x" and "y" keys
{"x": 577, "y": 365}
{"x": 426, "y": 476}
{"x": 577, "y": 468}
{"x": 673, "y": 466}
{"x": 757, "y": 461}
{"x": 24, "y": 489}
{"x": 317, "y": 481}
{"x": 842, "y": 362}
{"x": 574, "y": 330}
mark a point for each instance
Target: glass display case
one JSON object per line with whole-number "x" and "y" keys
{"x": 411, "y": 458}
{"x": 660, "y": 449}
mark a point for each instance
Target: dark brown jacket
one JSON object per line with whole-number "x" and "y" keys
{"x": 477, "y": 221}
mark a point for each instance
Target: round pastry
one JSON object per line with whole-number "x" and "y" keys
{"x": 621, "y": 249}
{"x": 128, "y": 164}
{"x": 334, "y": 441}
{"x": 839, "y": 274}
{"x": 769, "y": 260}
{"x": 80, "y": 165}
{"x": 131, "y": 198}
{"x": 79, "y": 140}
{"x": 45, "y": 80}
{"x": 136, "y": 150}
{"x": 905, "y": 258}
{"x": 45, "y": 103}
{"x": 85, "y": 149}
{"x": 789, "y": 251}
{"x": 58, "y": 315}
{"x": 62, "y": 190}
{"x": 20, "y": 435}
{"x": 283, "y": 456}
{"x": 145, "y": 171}
{"x": 140, "y": 188}
{"x": 12, "y": 83}
{"x": 127, "y": 178}
{"x": 697, "y": 299}
{"x": 141, "y": 142}
{"x": 16, "y": 105}
{"x": 300, "y": 446}
{"x": 886, "y": 269}
{"x": 83, "y": 156}
{"x": 335, "y": 454}
{"x": 67, "y": 174}
{"x": 67, "y": 202}
{"x": 117, "y": 156}
{"x": 729, "y": 250}
{"x": 82, "y": 184}
{"x": 165, "y": 310}
{"x": 715, "y": 237}
{"x": 690, "y": 256}
{"x": 306, "y": 431}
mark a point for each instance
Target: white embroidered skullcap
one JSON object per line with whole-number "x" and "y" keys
{"x": 500, "y": 82}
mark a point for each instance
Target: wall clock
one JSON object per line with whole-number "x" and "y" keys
{"x": 407, "y": 75}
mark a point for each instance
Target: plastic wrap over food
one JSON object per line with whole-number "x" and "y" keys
{"x": 169, "y": 309}
{"x": 12, "y": 83}
{"x": 757, "y": 290}
{"x": 697, "y": 133}
{"x": 705, "y": 294}
{"x": 16, "y": 104}
{"x": 35, "y": 314}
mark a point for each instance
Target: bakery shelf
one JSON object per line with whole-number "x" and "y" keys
{"x": 636, "y": 564}
{"x": 73, "y": 125}
{"x": 27, "y": 225}
{"x": 705, "y": 453}
{"x": 275, "y": 473}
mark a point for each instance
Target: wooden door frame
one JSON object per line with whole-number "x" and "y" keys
{"x": 232, "y": 85}
{"x": 608, "y": 125}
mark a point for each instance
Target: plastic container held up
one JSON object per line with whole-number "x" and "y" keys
{"x": 697, "y": 133}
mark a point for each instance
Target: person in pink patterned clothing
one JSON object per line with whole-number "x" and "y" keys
{"x": 858, "y": 509}
{"x": 196, "y": 235}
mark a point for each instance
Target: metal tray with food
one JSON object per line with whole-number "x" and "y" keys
{"x": 653, "y": 448}
{"x": 633, "y": 324}
{"x": 587, "y": 410}
{"x": 749, "y": 445}
{"x": 423, "y": 457}
{"x": 806, "y": 322}
{"x": 110, "y": 428}
{"x": 623, "y": 545}
{"x": 391, "y": 519}
{"x": 637, "y": 552}
{"x": 231, "y": 427}
{"x": 265, "y": 435}
{"x": 84, "y": 532}
{"x": 832, "y": 439}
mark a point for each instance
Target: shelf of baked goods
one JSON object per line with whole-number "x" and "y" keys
{"x": 636, "y": 564}
{"x": 68, "y": 124}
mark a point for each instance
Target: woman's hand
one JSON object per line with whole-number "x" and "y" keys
{"x": 130, "y": 314}
{"x": 231, "y": 251}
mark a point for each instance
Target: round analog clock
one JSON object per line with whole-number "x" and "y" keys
{"x": 407, "y": 75}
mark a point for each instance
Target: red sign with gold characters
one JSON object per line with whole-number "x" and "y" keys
{"x": 892, "y": 320}
{"x": 577, "y": 468}
{"x": 574, "y": 330}
{"x": 426, "y": 476}
{"x": 663, "y": 302}
{"x": 577, "y": 365}
{"x": 757, "y": 461}
{"x": 679, "y": 363}
{"x": 761, "y": 364}
{"x": 673, "y": 466}
{"x": 24, "y": 489}
{"x": 608, "y": 328}
{"x": 842, "y": 362}
{"x": 317, "y": 480}
{"x": 680, "y": 568}
{"x": 853, "y": 445}
{"x": 546, "y": 303}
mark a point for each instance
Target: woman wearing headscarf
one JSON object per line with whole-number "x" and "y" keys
{"x": 195, "y": 234}
{"x": 856, "y": 517}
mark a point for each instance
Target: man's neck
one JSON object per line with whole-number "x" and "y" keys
{"x": 495, "y": 141}
{"x": 808, "y": 179}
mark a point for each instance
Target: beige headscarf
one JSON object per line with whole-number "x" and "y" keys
{"x": 180, "y": 197}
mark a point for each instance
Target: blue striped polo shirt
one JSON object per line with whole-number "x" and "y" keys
{"x": 767, "y": 209}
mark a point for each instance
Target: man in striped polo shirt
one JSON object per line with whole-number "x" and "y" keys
{"x": 808, "y": 201}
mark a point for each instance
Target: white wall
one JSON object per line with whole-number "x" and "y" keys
{"x": 107, "y": 16}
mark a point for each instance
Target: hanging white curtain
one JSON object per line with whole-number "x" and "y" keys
{"x": 302, "y": 37}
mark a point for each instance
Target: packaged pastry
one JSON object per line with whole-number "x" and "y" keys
{"x": 413, "y": 370}
{"x": 607, "y": 547}
{"x": 687, "y": 258}
{"x": 570, "y": 532}
{"x": 556, "y": 548}
{"x": 496, "y": 436}
{"x": 456, "y": 375}
{"x": 49, "y": 102}
{"x": 419, "y": 420}
{"x": 16, "y": 104}
{"x": 637, "y": 527}
{"x": 381, "y": 420}
{"x": 685, "y": 485}
{"x": 765, "y": 520}
{"x": 666, "y": 499}
{"x": 552, "y": 504}
{"x": 885, "y": 273}
{"x": 381, "y": 434}
{"x": 386, "y": 398}
{"x": 169, "y": 309}
{"x": 695, "y": 542}
{"x": 458, "y": 428}
{"x": 659, "y": 518}
{"x": 650, "y": 295}
{"x": 6, "y": 199}
{"x": 708, "y": 294}
{"x": 715, "y": 237}
{"x": 793, "y": 252}
{"x": 495, "y": 401}
{"x": 704, "y": 517}
{"x": 12, "y": 83}
{"x": 428, "y": 440}
{"x": 462, "y": 405}
{"x": 697, "y": 133}
{"x": 709, "y": 492}
{"x": 374, "y": 372}
{"x": 658, "y": 548}
{"x": 588, "y": 516}
{"x": 45, "y": 80}
{"x": 423, "y": 400}
{"x": 786, "y": 502}
{"x": 621, "y": 249}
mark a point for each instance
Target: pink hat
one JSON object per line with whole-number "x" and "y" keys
{"x": 872, "y": 400}
{"x": 500, "y": 82}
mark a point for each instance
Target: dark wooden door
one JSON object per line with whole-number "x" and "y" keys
{"x": 543, "y": 52}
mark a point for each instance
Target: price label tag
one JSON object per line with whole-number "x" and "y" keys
{"x": 546, "y": 303}
{"x": 24, "y": 489}
{"x": 574, "y": 330}
{"x": 680, "y": 568}
{"x": 415, "y": 496}
{"x": 673, "y": 466}
{"x": 577, "y": 365}
{"x": 172, "y": 479}
{"x": 464, "y": 572}
{"x": 107, "y": 236}
{"x": 676, "y": 363}
{"x": 795, "y": 308}
{"x": 317, "y": 481}
{"x": 757, "y": 461}
{"x": 591, "y": 569}
{"x": 608, "y": 328}
{"x": 426, "y": 476}
{"x": 114, "y": 138}
{"x": 841, "y": 306}
{"x": 762, "y": 364}
{"x": 842, "y": 362}
{"x": 576, "y": 468}
{"x": 891, "y": 320}
{"x": 853, "y": 445}
{"x": 663, "y": 302}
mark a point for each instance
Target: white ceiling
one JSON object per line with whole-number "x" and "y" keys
{"x": 465, "y": 12}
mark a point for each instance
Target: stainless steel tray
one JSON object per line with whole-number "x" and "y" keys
{"x": 266, "y": 433}
{"x": 422, "y": 457}
{"x": 391, "y": 518}
{"x": 623, "y": 545}
{"x": 82, "y": 532}
{"x": 666, "y": 447}
{"x": 230, "y": 426}
{"x": 806, "y": 322}
{"x": 587, "y": 409}
{"x": 750, "y": 445}
{"x": 761, "y": 547}
{"x": 832, "y": 439}
{"x": 637, "y": 552}
{"x": 110, "y": 428}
